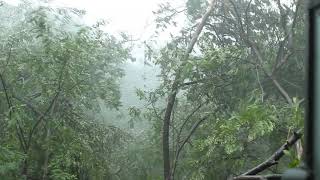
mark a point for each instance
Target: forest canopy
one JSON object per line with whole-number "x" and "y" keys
{"x": 229, "y": 93}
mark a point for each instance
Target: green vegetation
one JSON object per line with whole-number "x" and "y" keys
{"x": 230, "y": 93}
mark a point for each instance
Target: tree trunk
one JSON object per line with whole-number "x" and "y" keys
{"x": 46, "y": 155}
{"x": 173, "y": 94}
{"x": 165, "y": 136}
{"x": 24, "y": 170}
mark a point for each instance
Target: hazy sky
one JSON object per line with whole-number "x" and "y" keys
{"x": 132, "y": 16}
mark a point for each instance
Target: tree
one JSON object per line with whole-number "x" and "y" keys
{"x": 53, "y": 71}
{"x": 247, "y": 73}
{"x": 229, "y": 102}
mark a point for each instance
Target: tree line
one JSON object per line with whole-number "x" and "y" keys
{"x": 230, "y": 98}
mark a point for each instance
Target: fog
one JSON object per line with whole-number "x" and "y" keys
{"x": 151, "y": 89}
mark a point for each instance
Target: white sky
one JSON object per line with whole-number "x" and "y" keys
{"x": 131, "y": 16}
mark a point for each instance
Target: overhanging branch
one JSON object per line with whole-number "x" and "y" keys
{"x": 275, "y": 156}
{"x": 258, "y": 177}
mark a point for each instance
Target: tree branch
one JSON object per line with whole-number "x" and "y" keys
{"x": 259, "y": 56}
{"x": 270, "y": 76}
{"x": 50, "y": 107}
{"x": 262, "y": 177}
{"x": 40, "y": 119}
{"x": 288, "y": 37}
{"x": 275, "y": 156}
{"x": 193, "y": 129}
{"x": 28, "y": 104}
{"x": 19, "y": 130}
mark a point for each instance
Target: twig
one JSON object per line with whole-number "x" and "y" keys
{"x": 259, "y": 82}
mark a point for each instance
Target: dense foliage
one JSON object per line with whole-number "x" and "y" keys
{"x": 230, "y": 100}
{"x": 53, "y": 72}
{"x": 245, "y": 77}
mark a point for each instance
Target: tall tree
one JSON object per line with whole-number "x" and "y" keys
{"x": 243, "y": 67}
{"x": 174, "y": 90}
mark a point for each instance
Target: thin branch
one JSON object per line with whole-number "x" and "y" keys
{"x": 270, "y": 76}
{"x": 193, "y": 129}
{"x": 175, "y": 13}
{"x": 6, "y": 94}
{"x": 259, "y": 56}
{"x": 193, "y": 82}
{"x": 242, "y": 32}
{"x": 8, "y": 58}
{"x": 51, "y": 105}
{"x": 288, "y": 37}
{"x": 186, "y": 140}
{"x": 155, "y": 111}
{"x": 28, "y": 104}
{"x": 282, "y": 16}
{"x": 40, "y": 119}
{"x": 259, "y": 82}
{"x": 215, "y": 34}
{"x": 19, "y": 130}
{"x": 187, "y": 120}
{"x": 281, "y": 62}
{"x": 292, "y": 84}
{"x": 282, "y": 91}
